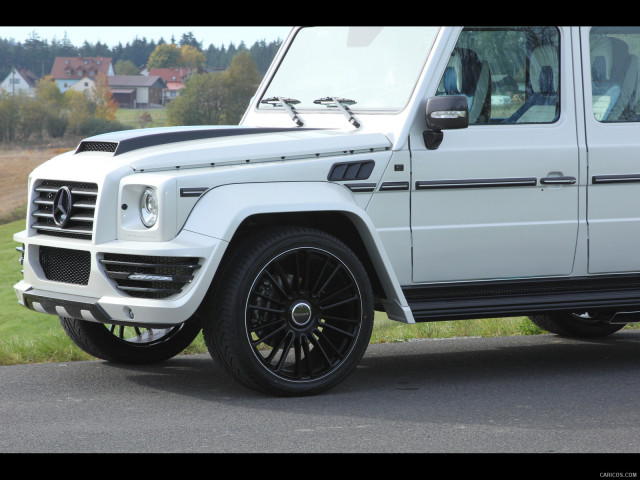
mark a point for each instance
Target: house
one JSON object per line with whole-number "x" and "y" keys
{"x": 19, "y": 81}
{"x": 136, "y": 91}
{"x": 66, "y": 71}
{"x": 85, "y": 84}
{"x": 173, "y": 78}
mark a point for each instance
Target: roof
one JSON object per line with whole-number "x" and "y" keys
{"x": 79, "y": 67}
{"x": 170, "y": 74}
{"x": 175, "y": 86}
{"x": 133, "y": 81}
{"x": 28, "y": 77}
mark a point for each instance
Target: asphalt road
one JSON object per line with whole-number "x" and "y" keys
{"x": 527, "y": 394}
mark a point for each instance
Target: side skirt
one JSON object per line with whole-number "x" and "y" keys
{"x": 508, "y": 298}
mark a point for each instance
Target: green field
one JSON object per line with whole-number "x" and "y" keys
{"x": 27, "y": 336}
{"x": 31, "y": 337}
{"x": 135, "y": 117}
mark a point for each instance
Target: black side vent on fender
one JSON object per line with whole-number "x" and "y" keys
{"x": 351, "y": 171}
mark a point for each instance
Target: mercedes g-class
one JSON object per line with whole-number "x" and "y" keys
{"x": 428, "y": 173}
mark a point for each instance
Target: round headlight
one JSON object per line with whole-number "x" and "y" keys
{"x": 149, "y": 207}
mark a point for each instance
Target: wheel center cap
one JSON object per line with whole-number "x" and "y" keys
{"x": 301, "y": 313}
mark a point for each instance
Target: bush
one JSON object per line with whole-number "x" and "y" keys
{"x": 55, "y": 125}
{"x": 95, "y": 126}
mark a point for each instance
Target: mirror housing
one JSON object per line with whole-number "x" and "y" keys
{"x": 448, "y": 112}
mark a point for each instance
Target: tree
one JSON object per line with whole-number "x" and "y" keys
{"x": 32, "y": 116}
{"x": 243, "y": 80}
{"x": 216, "y": 98}
{"x": 191, "y": 57}
{"x": 126, "y": 67}
{"x": 80, "y": 109}
{"x": 52, "y": 100}
{"x": 9, "y": 115}
{"x": 166, "y": 55}
{"x": 190, "y": 39}
{"x": 201, "y": 102}
{"x": 106, "y": 106}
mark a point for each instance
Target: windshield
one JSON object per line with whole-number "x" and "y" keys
{"x": 369, "y": 68}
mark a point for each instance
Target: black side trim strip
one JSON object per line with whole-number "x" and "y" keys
{"x": 477, "y": 183}
{"x": 600, "y": 179}
{"x": 361, "y": 187}
{"x": 509, "y": 298}
{"x": 389, "y": 186}
{"x": 192, "y": 191}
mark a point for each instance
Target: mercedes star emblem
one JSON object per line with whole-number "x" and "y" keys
{"x": 62, "y": 207}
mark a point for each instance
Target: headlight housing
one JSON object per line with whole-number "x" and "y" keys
{"x": 149, "y": 207}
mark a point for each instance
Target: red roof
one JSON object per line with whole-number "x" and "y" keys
{"x": 79, "y": 67}
{"x": 171, "y": 74}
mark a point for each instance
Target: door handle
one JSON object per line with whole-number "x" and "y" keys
{"x": 558, "y": 180}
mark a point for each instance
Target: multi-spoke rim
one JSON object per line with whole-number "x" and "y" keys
{"x": 142, "y": 336}
{"x": 303, "y": 314}
{"x": 590, "y": 318}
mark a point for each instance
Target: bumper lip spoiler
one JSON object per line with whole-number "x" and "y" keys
{"x": 65, "y": 305}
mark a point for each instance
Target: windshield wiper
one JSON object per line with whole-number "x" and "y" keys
{"x": 343, "y": 106}
{"x": 286, "y": 103}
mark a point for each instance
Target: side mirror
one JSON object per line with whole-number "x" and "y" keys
{"x": 444, "y": 113}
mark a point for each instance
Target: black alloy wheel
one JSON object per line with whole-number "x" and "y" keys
{"x": 292, "y": 313}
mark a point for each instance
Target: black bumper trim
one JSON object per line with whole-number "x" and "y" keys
{"x": 72, "y": 304}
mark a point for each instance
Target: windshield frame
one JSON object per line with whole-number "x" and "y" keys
{"x": 419, "y": 56}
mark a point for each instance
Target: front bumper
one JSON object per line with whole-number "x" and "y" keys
{"x": 99, "y": 298}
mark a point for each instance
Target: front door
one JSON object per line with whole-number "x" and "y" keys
{"x": 499, "y": 199}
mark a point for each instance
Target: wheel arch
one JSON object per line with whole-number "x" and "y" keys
{"x": 321, "y": 205}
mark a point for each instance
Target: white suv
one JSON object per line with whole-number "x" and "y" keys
{"x": 430, "y": 173}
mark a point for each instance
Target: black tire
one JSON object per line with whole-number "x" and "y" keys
{"x": 292, "y": 314}
{"x": 577, "y": 325}
{"x": 130, "y": 345}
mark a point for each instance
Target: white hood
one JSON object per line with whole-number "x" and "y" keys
{"x": 188, "y": 147}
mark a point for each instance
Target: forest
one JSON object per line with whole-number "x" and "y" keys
{"x": 37, "y": 55}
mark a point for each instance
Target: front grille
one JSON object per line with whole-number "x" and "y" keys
{"x": 65, "y": 265}
{"x": 80, "y": 223}
{"x": 149, "y": 276}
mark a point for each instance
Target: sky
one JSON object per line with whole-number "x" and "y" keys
{"x": 216, "y": 35}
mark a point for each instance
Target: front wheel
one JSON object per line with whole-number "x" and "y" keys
{"x": 130, "y": 345}
{"x": 293, "y": 312}
{"x": 578, "y": 325}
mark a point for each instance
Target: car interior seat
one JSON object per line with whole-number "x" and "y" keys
{"x": 466, "y": 75}
{"x": 541, "y": 105}
{"x": 624, "y": 73}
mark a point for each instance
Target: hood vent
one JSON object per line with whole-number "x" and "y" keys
{"x": 87, "y": 146}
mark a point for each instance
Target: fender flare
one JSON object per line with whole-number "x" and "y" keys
{"x": 221, "y": 210}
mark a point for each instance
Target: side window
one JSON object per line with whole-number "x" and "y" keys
{"x": 509, "y": 75}
{"x": 614, "y": 73}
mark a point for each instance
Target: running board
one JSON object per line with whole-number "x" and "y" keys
{"x": 620, "y": 293}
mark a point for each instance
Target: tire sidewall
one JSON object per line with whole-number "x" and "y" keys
{"x": 255, "y": 260}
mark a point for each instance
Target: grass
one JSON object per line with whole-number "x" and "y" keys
{"x": 30, "y": 337}
{"x": 134, "y": 117}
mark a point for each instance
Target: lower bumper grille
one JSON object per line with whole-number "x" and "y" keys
{"x": 65, "y": 265}
{"x": 149, "y": 276}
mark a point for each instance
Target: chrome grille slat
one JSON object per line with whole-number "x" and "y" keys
{"x": 80, "y": 223}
